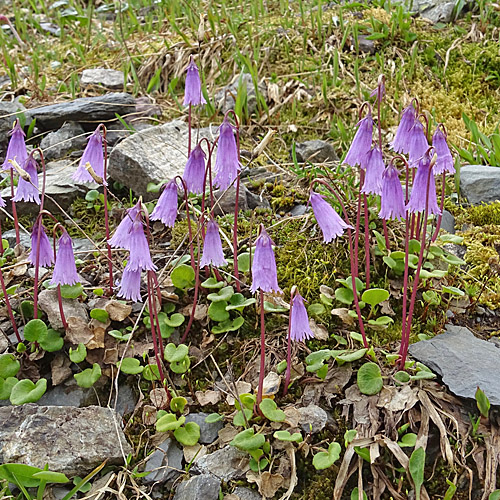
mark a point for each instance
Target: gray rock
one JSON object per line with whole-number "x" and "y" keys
{"x": 246, "y": 493}
{"x": 89, "y": 110}
{"x": 246, "y": 201}
{"x": 463, "y": 361}
{"x": 204, "y": 487}
{"x": 109, "y": 78}
{"x": 127, "y": 399}
{"x": 316, "y": 151}
{"x": 298, "y": 210}
{"x": 226, "y": 464}
{"x": 164, "y": 463}
{"x": 7, "y": 108}
{"x": 152, "y": 155}
{"x": 480, "y": 184}
{"x": 209, "y": 432}
{"x": 68, "y": 394}
{"x": 71, "y": 440}
{"x": 47, "y": 301}
{"x": 448, "y": 222}
{"x": 24, "y": 238}
{"x": 433, "y": 10}
{"x": 69, "y": 137}
{"x": 313, "y": 419}
{"x": 225, "y": 99}
{"x": 116, "y": 132}
{"x": 366, "y": 45}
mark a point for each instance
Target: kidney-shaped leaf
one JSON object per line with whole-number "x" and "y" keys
{"x": 25, "y": 391}
{"x": 370, "y": 379}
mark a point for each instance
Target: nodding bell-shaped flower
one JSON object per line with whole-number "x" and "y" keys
{"x": 194, "y": 172}
{"x": 94, "y": 156}
{"x": 418, "y": 144}
{"x": 130, "y": 285}
{"x": 121, "y": 237}
{"x": 328, "y": 219}
{"x": 401, "y": 142}
{"x": 65, "y": 267}
{"x": 264, "y": 274}
{"x": 444, "y": 162}
{"x": 299, "y": 321}
{"x": 420, "y": 187}
{"x": 45, "y": 250}
{"x": 2, "y": 202}
{"x": 16, "y": 150}
{"x": 212, "y": 247}
{"x": 28, "y": 191}
{"x": 140, "y": 256}
{"x": 226, "y": 165}
{"x": 192, "y": 92}
{"x": 392, "y": 202}
{"x": 374, "y": 165}
{"x": 361, "y": 143}
{"x": 166, "y": 208}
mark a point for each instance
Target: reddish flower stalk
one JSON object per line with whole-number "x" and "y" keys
{"x": 353, "y": 257}
{"x": 441, "y": 207}
{"x": 406, "y": 329}
{"x": 106, "y": 215}
{"x": 9, "y": 308}
{"x": 14, "y": 211}
{"x": 262, "y": 349}
{"x": 59, "y": 296}
{"x": 289, "y": 347}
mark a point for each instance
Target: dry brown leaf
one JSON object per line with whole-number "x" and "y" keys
{"x": 78, "y": 331}
{"x": 267, "y": 483}
{"x": 272, "y": 383}
{"x": 60, "y": 369}
{"x": 344, "y": 473}
{"x": 191, "y": 452}
{"x": 117, "y": 311}
{"x": 149, "y": 415}
{"x": 397, "y": 398}
{"x": 320, "y": 332}
{"x": 343, "y": 314}
{"x": 208, "y": 397}
{"x": 241, "y": 388}
{"x": 328, "y": 292}
{"x": 227, "y": 433}
{"x": 293, "y": 416}
{"x": 386, "y": 308}
{"x": 159, "y": 398}
{"x": 110, "y": 356}
{"x": 99, "y": 331}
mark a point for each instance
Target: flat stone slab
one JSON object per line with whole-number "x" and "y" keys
{"x": 480, "y": 184}
{"x": 463, "y": 361}
{"x": 433, "y": 10}
{"x": 85, "y": 109}
{"x": 70, "y": 440}
{"x": 204, "y": 487}
{"x": 110, "y": 78}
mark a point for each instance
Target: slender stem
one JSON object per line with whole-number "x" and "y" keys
{"x": 353, "y": 258}
{"x": 61, "y": 310}
{"x": 9, "y": 308}
{"x": 14, "y": 211}
{"x": 190, "y": 231}
{"x": 405, "y": 279}
{"x": 196, "y": 291}
{"x": 289, "y": 349}
{"x": 262, "y": 349}
{"x": 354, "y": 271}
{"x": 367, "y": 241}
{"x": 189, "y": 131}
{"x": 441, "y": 206}
{"x": 106, "y": 215}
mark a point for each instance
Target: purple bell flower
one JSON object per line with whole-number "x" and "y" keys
{"x": 226, "y": 162}
{"x": 417, "y": 145}
{"x": 192, "y": 92}
{"x": 140, "y": 256}
{"x": 65, "y": 267}
{"x": 46, "y": 254}
{"x": 375, "y": 167}
{"x": 166, "y": 208}
{"x": 264, "y": 274}
{"x": 392, "y": 202}
{"x": 401, "y": 141}
{"x": 28, "y": 191}
{"x": 16, "y": 149}
{"x": 130, "y": 285}
{"x": 194, "y": 173}
{"x": 212, "y": 247}
{"x": 328, "y": 219}
{"x": 299, "y": 321}
{"x": 444, "y": 162}
{"x": 2, "y": 202}
{"x": 361, "y": 143}
{"x": 94, "y": 156}
{"x": 419, "y": 189}
{"x": 121, "y": 237}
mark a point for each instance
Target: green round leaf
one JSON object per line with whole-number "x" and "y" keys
{"x": 151, "y": 372}
{"x": 408, "y": 440}
{"x": 100, "y": 315}
{"x": 271, "y": 411}
{"x": 239, "y": 418}
{"x": 130, "y": 366}
{"x": 212, "y": 283}
{"x": 27, "y": 308}
{"x": 296, "y": 437}
{"x": 213, "y": 417}
{"x": 169, "y": 422}
{"x": 183, "y": 276}
{"x": 239, "y": 302}
{"x": 175, "y": 353}
{"x": 35, "y": 330}
{"x": 375, "y": 296}
{"x": 9, "y": 365}
{"x": 247, "y": 440}
{"x": 344, "y": 295}
{"x": 370, "y": 379}
{"x": 217, "y": 311}
{"x": 244, "y": 262}
{"x": 453, "y": 290}
{"x": 52, "y": 342}
{"x": 88, "y": 377}
{"x": 349, "y": 357}
{"x": 325, "y": 459}
{"x": 316, "y": 309}
{"x": 177, "y": 404}
{"x": 71, "y": 291}
{"x": 25, "y": 391}
{"x": 273, "y": 308}
{"x": 181, "y": 366}
{"x": 79, "y": 354}
{"x": 402, "y": 377}
{"x": 175, "y": 320}
{"x": 117, "y": 334}
{"x": 224, "y": 294}
{"x": 189, "y": 434}
{"x": 6, "y": 386}
{"x": 92, "y": 195}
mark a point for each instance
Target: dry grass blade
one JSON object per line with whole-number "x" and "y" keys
{"x": 344, "y": 474}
